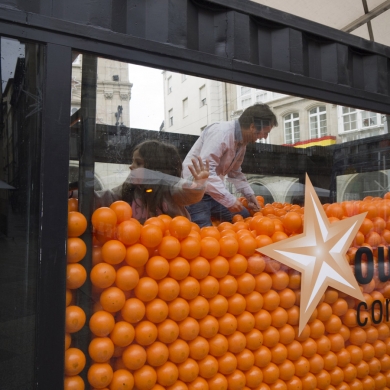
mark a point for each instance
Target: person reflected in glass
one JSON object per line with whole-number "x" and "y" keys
{"x": 223, "y": 144}
{"x": 155, "y": 186}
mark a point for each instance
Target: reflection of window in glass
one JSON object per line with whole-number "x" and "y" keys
{"x": 369, "y": 119}
{"x": 261, "y": 96}
{"x": 183, "y": 77}
{"x": 358, "y": 186}
{"x": 170, "y": 115}
{"x": 185, "y": 107}
{"x": 202, "y": 94}
{"x": 169, "y": 85}
{"x": 246, "y": 102}
{"x": 261, "y": 190}
{"x": 291, "y": 128}
{"x": 317, "y": 117}
{"x": 245, "y": 90}
{"x": 349, "y": 118}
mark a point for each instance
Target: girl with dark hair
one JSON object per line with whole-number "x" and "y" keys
{"x": 154, "y": 185}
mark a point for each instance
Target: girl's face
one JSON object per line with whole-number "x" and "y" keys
{"x": 138, "y": 161}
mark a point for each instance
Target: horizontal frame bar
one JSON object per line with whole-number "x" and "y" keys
{"x": 158, "y": 55}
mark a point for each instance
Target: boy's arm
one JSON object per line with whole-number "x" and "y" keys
{"x": 213, "y": 148}
{"x": 186, "y": 192}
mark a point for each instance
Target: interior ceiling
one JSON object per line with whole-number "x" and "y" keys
{"x": 368, "y": 19}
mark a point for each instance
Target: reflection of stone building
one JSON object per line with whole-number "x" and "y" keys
{"x": 191, "y": 103}
{"x": 301, "y": 122}
{"x": 113, "y": 91}
{"x": 357, "y": 186}
{"x": 305, "y": 122}
{"x": 357, "y": 124}
{"x": 361, "y": 168}
{"x": 274, "y": 171}
{"x": 19, "y": 134}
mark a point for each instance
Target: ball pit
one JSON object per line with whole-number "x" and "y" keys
{"x": 179, "y": 307}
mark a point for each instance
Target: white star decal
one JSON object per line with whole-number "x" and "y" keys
{"x": 319, "y": 254}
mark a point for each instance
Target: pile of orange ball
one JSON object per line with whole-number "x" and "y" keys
{"x": 179, "y": 307}
{"x": 76, "y": 276}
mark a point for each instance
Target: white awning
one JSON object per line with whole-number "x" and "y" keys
{"x": 368, "y": 19}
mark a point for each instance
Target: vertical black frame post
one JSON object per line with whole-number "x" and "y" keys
{"x": 50, "y": 319}
{"x": 86, "y": 189}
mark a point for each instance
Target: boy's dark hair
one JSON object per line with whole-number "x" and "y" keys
{"x": 158, "y": 156}
{"x": 255, "y": 113}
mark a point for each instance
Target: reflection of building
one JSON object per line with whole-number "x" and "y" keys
{"x": 357, "y": 124}
{"x": 113, "y": 91}
{"x": 305, "y": 122}
{"x": 11, "y": 135}
{"x": 191, "y": 103}
{"x": 361, "y": 168}
{"x": 357, "y": 186}
{"x": 22, "y": 104}
{"x": 301, "y": 122}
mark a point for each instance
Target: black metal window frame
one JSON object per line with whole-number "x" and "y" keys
{"x": 60, "y": 38}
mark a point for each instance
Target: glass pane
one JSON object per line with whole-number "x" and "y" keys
{"x": 22, "y": 69}
{"x": 158, "y": 264}
{"x": 323, "y": 128}
{"x": 297, "y": 136}
{"x": 313, "y": 127}
{"x": 288, "y": 132}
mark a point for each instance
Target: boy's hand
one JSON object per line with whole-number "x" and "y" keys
{"x": 253, "y": 204}
{"x": 199, "y": 171}
{"x": 237, "y": 207}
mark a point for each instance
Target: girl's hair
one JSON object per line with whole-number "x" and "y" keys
{"x": 161, "y": 157}
{"x": 158, "y": 156}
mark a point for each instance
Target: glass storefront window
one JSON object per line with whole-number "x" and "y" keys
{"x": 23, "y": 72}
{"x": 163, "y": 301}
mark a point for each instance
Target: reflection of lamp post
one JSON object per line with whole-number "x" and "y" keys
{"x": 204, "y": 103}
{"x": 118, "y": 115}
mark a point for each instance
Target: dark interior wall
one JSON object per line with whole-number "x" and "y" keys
{"x": 322, "y": 164}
